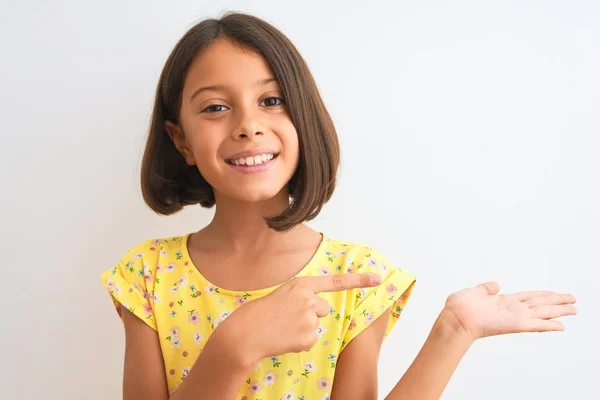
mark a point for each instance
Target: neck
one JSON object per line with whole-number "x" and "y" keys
{"x": 238, "y": 225}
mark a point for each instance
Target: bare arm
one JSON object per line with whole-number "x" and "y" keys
{"x": 433, "y": 367}
{"x": 144, "y": 372}
{"x": 427, "y": 377}
{"x": 217, "y": 373}
{"x": 356, "y": 369}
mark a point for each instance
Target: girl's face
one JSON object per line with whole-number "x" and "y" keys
{"x": 235, "y": 126}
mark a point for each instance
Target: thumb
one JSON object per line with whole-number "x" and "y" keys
{"x": 489, "y": 288}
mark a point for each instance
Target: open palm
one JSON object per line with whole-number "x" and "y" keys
{"x": 482, "y": 312}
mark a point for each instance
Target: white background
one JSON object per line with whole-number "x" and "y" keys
{"x": 470, "y": 135}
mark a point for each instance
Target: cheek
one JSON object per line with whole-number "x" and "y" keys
{"x": 293, "y": 147}
{"x": 289, "y": 138}
{"x": 205, "y": 155}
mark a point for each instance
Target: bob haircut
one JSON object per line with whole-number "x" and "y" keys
{"x": 169, "y": 184}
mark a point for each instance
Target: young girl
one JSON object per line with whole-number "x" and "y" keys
{"x": 257, "y": 305}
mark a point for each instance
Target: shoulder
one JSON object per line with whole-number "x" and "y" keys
{"x": 148, "y": 258}
{"x": 155, "y": 248}
{"x": 356, "y": 256}
{"x": 157, "y": 244}
{"x": 142, "y": 264}
{"x": 345, "y": 245}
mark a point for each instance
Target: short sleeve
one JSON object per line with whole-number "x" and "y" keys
{"x": 131, "y": 284}
{"x": 371, "y": 303}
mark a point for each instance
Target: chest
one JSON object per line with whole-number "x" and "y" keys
{"x": 190, "y": 309}
{"x": 247, "y": 272}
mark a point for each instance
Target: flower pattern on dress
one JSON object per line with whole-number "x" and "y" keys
{"x": 269, "y": 378}
{"x": 158, "y": 282}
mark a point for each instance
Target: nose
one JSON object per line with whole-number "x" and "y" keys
{"x": 248, "y": 126}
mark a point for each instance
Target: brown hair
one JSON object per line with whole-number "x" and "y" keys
{"x": 169, "y": 184}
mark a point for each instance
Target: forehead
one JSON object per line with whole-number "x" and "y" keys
{"x": 226, "y": 63}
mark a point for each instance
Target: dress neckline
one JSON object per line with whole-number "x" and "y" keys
{"x": 246, "y": 293}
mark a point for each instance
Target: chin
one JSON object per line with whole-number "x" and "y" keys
{"x": 256, "y": 195}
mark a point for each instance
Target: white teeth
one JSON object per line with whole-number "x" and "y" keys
{"x": 253, "y": 160}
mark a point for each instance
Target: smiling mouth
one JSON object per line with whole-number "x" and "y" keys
{"x": 252, "y": 160}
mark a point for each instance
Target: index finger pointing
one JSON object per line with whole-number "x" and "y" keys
{"x": 336, "y": 283}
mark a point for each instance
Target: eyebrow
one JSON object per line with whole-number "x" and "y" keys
{"x": 216, "y": 88}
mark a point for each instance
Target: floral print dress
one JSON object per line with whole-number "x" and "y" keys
{"x": 158, "y": 283}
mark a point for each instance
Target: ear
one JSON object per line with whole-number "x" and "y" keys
{"x": 178, "y": 137}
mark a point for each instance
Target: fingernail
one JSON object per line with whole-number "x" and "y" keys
{"x": 375, "y": 279}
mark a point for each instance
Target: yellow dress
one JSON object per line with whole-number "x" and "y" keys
{"x": 158, "y": 283}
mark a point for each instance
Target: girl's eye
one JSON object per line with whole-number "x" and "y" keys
{"x": 272, "y": 101}
{"x": 214, "y": 108}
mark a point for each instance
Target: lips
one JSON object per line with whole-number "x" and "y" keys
{"x": 253, "y": 160}
{"x": 252, "y": 157}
